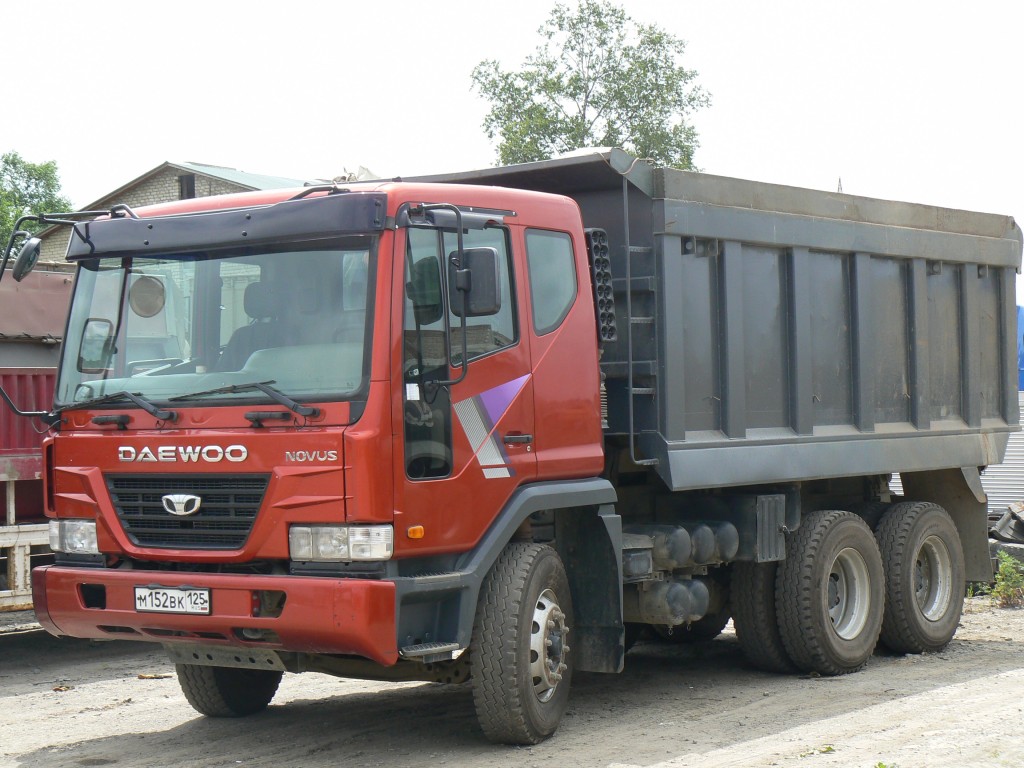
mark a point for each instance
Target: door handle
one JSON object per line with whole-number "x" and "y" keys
{"x": 514, "y": 439}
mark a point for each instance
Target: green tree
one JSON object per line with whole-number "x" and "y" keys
{"x": 27, "y": 188}
{"x": 597, "y": 79}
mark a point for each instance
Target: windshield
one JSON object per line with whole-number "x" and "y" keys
{"x": 176, "y": 326}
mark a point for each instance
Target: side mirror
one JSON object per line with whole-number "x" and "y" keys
{"x": 97, "y": 345}
{"x": 425, "y": 291}
{"x": 473, "y": 289}
{"x": 27, "y": 258}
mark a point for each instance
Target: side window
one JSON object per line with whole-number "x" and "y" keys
{"x": 486, "y": 334}
{"x": 552, "y": 278}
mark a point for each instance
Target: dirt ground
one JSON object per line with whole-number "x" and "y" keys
{"x": 78, "y": 703}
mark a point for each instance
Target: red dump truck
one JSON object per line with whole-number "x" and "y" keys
{"x": 489, "y": 426}
{"x": 32, "y": 317}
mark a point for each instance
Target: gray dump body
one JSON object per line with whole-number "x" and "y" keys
{"x": 781, "y": 334}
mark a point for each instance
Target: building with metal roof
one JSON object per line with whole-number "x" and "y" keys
{"x": 167, "y": 182}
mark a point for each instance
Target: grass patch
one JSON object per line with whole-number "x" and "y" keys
{"x": 1008, "y": 590}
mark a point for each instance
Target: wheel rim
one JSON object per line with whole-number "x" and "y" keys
{"x": 848, "y": 593}
{"x": 932, "y": 583}
{"x": 548, "y": 647}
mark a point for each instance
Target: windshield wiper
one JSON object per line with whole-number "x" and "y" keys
{"x": 263, "y": 386}
{"x": 157, "y": 413}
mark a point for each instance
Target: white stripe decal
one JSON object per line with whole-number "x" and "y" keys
{"x": 472, "y": 423}
{"x": 483, "y": 442}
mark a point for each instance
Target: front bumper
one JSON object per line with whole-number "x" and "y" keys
{"x": 320, "y": 615}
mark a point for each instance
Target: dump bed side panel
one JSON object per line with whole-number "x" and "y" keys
{"x": 794, "y": 345}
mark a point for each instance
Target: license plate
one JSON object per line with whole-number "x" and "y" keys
{"x": 172, "y": 600}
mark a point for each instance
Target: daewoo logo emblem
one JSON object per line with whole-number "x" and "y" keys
{"x": 181, "y": 504}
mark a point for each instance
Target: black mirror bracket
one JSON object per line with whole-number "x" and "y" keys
{"x": 463, "y": 280}
{"x": 457, "y": 262}
{"x": 29, "y": 253}
{"x": 49, "y": 418}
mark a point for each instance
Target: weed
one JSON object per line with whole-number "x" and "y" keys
{"x": 825, "y": 749}
{"x": 978, "y": 589}
{"x": 1008, "y": 591}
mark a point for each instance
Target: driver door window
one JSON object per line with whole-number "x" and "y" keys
{"x": 427, "y": 408}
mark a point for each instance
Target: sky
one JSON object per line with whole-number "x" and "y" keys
{"x": 899, "y": 99}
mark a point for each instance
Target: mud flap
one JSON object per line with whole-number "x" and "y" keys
{"x": 960, "y": 493}
{"x": 590, "y": 546}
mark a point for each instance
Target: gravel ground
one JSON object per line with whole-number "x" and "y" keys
{"x": 82, "y": 703}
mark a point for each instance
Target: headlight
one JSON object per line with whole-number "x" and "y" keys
{"x": 74, "y": 537}
{"x": 340, "y": 543}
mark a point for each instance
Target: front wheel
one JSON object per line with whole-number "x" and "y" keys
{"x": 830, "y": 593}
{"x": 520, "y": 658}
{"x": 227, "y": 691}
{"x": 924, "y": 567}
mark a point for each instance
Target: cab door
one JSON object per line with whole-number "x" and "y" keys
{"x": 563, "y": 342}
{"x": 463, "y": 444}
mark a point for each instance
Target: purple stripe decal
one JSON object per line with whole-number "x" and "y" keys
{"x": 496, "y": 401}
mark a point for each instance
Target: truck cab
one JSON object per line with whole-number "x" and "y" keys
{"x": 305, "y": 424}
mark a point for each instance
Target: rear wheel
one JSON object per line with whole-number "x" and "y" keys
{"x": 924, "y": 567}
{"x": 227, "y": 691}
{"x": 871, "y": 512}
{"x": 521, "y": 661}
{"x": 754, "y": 617}
{"x": 830, "y": 594}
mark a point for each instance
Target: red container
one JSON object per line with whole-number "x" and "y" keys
{"x": 31, "y": 326}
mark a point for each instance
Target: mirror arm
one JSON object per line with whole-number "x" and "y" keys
{"x": 67, "y": 219}
{"x": 47, "y": 417}
{"x": 16, "y": 232}
{"x": 444, "y": 277}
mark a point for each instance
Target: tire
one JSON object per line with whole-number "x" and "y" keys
{"x": 830, "y": 594}
{"x": 521, "y": 662}
{"x": 925, "y": 582}
{"x": 871, "y": 512}
{"x": 754, "y": 617}
{"x": 227, "y": 691}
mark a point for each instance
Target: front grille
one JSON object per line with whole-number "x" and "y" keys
{"x": 226, "y": 513}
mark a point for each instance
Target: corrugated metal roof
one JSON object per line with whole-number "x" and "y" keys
{"x": 242, "y": 178}
{"x": 246, "y": 182}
